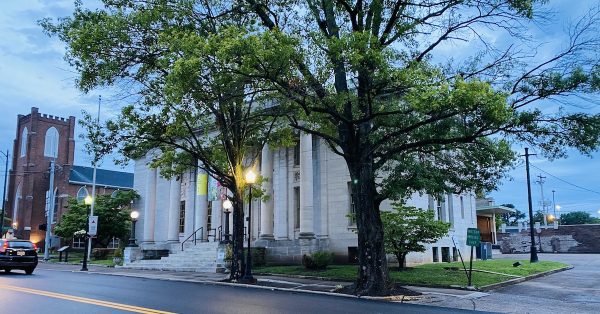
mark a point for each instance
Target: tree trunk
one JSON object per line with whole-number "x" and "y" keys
{"x": 237, "y": 237}
{"x": 373, "y": 277}
{"x": 401, "y": 261}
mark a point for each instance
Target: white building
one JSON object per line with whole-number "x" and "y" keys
{"x": 307, "y": 211}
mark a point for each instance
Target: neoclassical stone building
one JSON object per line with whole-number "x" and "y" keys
{"x": 308, "y": 209}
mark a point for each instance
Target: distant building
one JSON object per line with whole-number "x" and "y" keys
{"x": 41, "y": 138}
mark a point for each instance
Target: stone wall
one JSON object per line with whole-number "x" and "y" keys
{"x": 565, "y": 239}
{"x": 289, "y": 252}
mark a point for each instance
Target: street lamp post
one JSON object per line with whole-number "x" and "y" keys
{"x": 88, "y": 201}
{"x": 227, "y": 205}
{"x": 134, "y": 217}
{"x": 250, "y": 179}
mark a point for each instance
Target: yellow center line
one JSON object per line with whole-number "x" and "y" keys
{"x": 119, "y": 306}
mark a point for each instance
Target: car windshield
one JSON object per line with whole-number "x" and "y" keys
{"x": 20, "y": 245}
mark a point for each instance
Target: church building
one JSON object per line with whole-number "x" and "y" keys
{"x": 40, "y": 139}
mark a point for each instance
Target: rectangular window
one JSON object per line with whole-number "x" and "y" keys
{"x": 114, "y": 243}
{"x": 209, "y": 218}
{"x": 297, "y": 207}
{"x": 450, "y": 209}
{"x": 446, "y": 254}
{"x": 351, "y": 206}
{"x": 78, "y": 243}
{"x": 182, "y": 217}
{"x": 440, "y": 209}
{"x": 462, "y": 207}
{"x": 436, "y": 256}
{"x": 297, "y": 153}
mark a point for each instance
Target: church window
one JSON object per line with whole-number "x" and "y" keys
{"x": 24, "y": 142}
{"x": 51, "y": 143}
{"x": 82, "y": 194}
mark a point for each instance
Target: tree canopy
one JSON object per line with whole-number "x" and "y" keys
{"x": 578, "y": 218}
{"x": 113, "y": 217}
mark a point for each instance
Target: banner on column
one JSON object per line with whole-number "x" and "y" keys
{"x": 214, "y": 189}
{"x": 201, "y": 183}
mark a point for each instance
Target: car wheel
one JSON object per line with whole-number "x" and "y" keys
{"x": 29, "y": 271}
{"x": 7, "y": 270}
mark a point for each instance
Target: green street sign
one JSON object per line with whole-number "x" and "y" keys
{"x": 473, "y": 237}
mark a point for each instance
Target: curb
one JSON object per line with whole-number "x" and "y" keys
{"x": 522, "y": 279}
{"x": 394, "y": 298}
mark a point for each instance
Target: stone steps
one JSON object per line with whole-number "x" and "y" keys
{"x": 201, "y": 257}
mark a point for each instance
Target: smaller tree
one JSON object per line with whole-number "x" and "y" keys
{"x": 112, "y": 212}
{"x": 407, "y": 229}
{"x": 578, "y": 218}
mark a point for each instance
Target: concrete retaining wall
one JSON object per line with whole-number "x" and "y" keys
{"x": 565, "y": 239}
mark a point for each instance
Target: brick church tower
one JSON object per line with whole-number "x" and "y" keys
{"x": 40, "y": 138}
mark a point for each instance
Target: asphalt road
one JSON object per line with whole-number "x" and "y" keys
{"x": 55, "y": 291}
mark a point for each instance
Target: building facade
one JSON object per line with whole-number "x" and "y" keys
{"x": 41, "y": 139}
{"x": 307, "y": 210}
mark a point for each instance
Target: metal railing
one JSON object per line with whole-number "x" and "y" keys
{"x": 201, "y": 229}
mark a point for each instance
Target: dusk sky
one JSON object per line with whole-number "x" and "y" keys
{"x": 34, "y": 74}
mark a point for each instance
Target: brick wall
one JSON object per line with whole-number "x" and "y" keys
{"x": 565, "y": 239}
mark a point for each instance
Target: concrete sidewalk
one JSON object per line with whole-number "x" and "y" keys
{"x": 265, "y": 282}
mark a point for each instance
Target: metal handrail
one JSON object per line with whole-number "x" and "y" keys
{"x": 220, "y": 232}
{"x": 201, "y": 229}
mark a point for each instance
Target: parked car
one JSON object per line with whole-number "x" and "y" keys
{"x": 18, "y": 254}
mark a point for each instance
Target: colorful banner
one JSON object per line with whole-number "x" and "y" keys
{"x": 201, "y": 184}
{"x": 214, "y": 188}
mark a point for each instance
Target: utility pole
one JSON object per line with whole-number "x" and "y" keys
{"x": 541, "y": 183}
{"x": 4, "y": 194}
{"x": 50, "y": 213}
{"x": 554, "y": 203}
{"x": 533, "y": 258}
{"x": 95, "y": 164}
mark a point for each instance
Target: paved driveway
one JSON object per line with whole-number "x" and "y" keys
{"x": 572, "y": 291}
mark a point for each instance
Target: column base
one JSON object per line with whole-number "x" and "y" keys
{"x": 306, "y": 235}
{"x": 266, "y": 237}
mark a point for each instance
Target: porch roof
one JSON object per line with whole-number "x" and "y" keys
{"x": 494, "y": 209}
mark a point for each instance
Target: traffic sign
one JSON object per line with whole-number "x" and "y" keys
{"x": 473, "y": 237}
{"x": 93, "y": 230}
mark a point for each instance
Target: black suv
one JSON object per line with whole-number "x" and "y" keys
{"x": 18, "y": 254}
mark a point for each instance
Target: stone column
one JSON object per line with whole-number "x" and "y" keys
{"x": 217, "y": 211}
{"x": 150, "y": 206}
{"x": 201, "y": 212}
{"x": 266, "y": 207}
{"x": 174, "y": 203}
{"x": 306, "y": 187}
{"x": 280, "y": 196}
{"x": 189, "y": 204}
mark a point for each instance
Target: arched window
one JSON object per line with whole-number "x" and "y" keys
{"x": 16, "y": 203}
{"x": 82, "y": 194}
{"x": 51, "y": 143}
{"x": 24, "y": 141}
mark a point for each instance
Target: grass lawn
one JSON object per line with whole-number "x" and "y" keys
{"x": 429, "y": 274}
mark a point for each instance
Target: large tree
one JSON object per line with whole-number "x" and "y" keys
{"x": 578, "y": 218}
{"x": 113, "y": 217}
{"x": 178, "y": 69}
{"x": 363, "y": 78}
{"x": 364, "y": 75}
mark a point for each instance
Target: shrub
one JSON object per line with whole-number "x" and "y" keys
{"x": 118, "y": 253}
{"x": 317, "y": 260}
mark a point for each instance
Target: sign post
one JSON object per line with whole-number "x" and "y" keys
{"x": 473, "y": 239}
{"x": 93, "y": 223}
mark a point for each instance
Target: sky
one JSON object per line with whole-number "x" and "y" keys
{"x": 33, "y": 73}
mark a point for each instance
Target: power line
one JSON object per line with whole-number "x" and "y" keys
{"x": 565, "y": 181}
